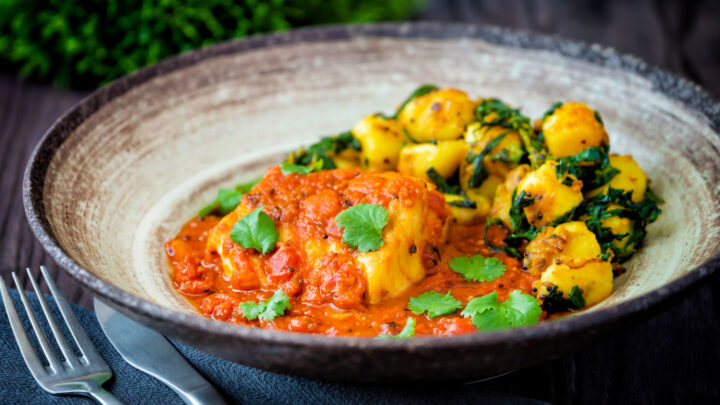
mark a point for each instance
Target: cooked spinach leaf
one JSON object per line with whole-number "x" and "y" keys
{"x": 420, "y": 91}
{"x": 555, "y": 302}
{"x": 480, "y": 172}
{"x": 552, "y": 109}
{"x": 323, "y": 149}
{"x": 596, "y": 209}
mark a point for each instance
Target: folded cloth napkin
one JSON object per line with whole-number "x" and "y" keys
{"x": 237, "y": 383}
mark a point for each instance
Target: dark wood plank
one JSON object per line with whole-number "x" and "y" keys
{"x": 26, "y": 112}
{"x": 681, "y": 36}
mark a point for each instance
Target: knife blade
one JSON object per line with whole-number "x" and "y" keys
{"x": 151, "y": 353}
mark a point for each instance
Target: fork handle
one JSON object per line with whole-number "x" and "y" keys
{"x": 102, "y": 396}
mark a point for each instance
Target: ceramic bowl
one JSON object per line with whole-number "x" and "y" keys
{"x": 120, "y": 172}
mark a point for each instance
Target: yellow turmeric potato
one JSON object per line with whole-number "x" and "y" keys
{"x": 381, "y": 140}
{"x": 468, "y": 215}
{"x": 503, "y": 194}
{"x": 631, "y": 177}
{"x": 552, "y": 198}
{"x": 502, "y": 158}
{"x": 620, "y": 226}
{"x": 439, "y": 115}
{"x": 594, "y": 279}
{"x": 481, "y": 196}
{"x": 444, "y": 157}
{"x": 487, "y": 189}
{"x": 571, "y": 128}
{"x": 571, "y": 243}
{"x": 346, "y": 159}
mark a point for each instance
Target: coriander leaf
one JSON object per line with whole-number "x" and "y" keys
{"x": 363, "y": 226}
{"x": 521, "y": 309}
{"x": 267, "y": 310}
{"x": 228, "y": 198}
{"x": 276, "y": 306}
{"x": 491, "y": 319}
{"x": 489, "y": 314}
{"x": 407, "y": 332}
{"x": 434, "y": 303}
{"x": 480, "y": 304}
{"x": 288, "y": 168}
{"x": 478, "y": 267}
{"x": 255, "y": 230}
{"x": 251, "y": 309}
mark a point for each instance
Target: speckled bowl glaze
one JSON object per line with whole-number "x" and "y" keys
{"x": 119, "y": 174}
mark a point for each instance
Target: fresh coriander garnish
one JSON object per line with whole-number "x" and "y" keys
{"x": 362, "y": 226}
{"x": 288, "y": 168}
{"x": 407, "y": 332}
{"x": 255, "y": 230}
{"x": 267, "y": 310}
{"x": 227, "y": 199}
{"x": 434, "y": 303}
{"x": 478, "y": 267}
{"x": 489, "y": 314}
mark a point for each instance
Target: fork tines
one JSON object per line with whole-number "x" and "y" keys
{"x": 73, "y": 325}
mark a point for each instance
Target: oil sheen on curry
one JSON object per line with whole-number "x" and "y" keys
{"x": 450, "y": 216}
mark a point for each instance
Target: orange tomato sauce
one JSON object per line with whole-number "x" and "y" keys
{"x": 198, "y": 274}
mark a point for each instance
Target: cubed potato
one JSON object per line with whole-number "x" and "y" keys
{"x": 553, "y": 199}
{"x": 381, "y": 141}
{"x": 571, "y": 128}
{"x": 631, "y": 177}
{"x": 346, "y": 159}
{"x": 501, "y": 159}
{"x": 620, "y": 226}
{"x": 440, "y": 115}
{"x": 444, "y": 157}
{"x": 571, "y": 243}
{"x": 594, "y": 279}
{"x": 502, "y": 201}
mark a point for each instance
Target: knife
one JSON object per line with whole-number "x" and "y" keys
{"x": 149, "y": 352}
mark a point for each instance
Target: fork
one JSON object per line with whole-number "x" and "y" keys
{"x": 82, "y": 375}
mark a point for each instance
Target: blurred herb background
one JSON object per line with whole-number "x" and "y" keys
{"x": 86, "y": 43}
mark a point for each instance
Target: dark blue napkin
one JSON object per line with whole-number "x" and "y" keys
{"x": 237, "y": 383}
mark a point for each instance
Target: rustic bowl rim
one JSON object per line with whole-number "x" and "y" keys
{"x": 673, "y": 86}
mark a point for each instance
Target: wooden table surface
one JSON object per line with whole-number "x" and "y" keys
{"x": 674, "y": 357}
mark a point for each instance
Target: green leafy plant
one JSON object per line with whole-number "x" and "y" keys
{"x": 489, "y": 314}
{"x": 227, "y": 199}
{"x": 289, "y": 168}
{"x": 478, "y": 267}
{"x": 419, "y": 92}
{"x": 267, "y": 310}
{"x": 555, "y": 302}
{"x": 434, "y": 303}
{"x": 322, "y": 150}
{"x": 407, "y": 332}
{"x": 255, "y": 230}
{"x": 362, "y": 226}
{"x": 86, "y": 43}
{"x": 595, "y": 209}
